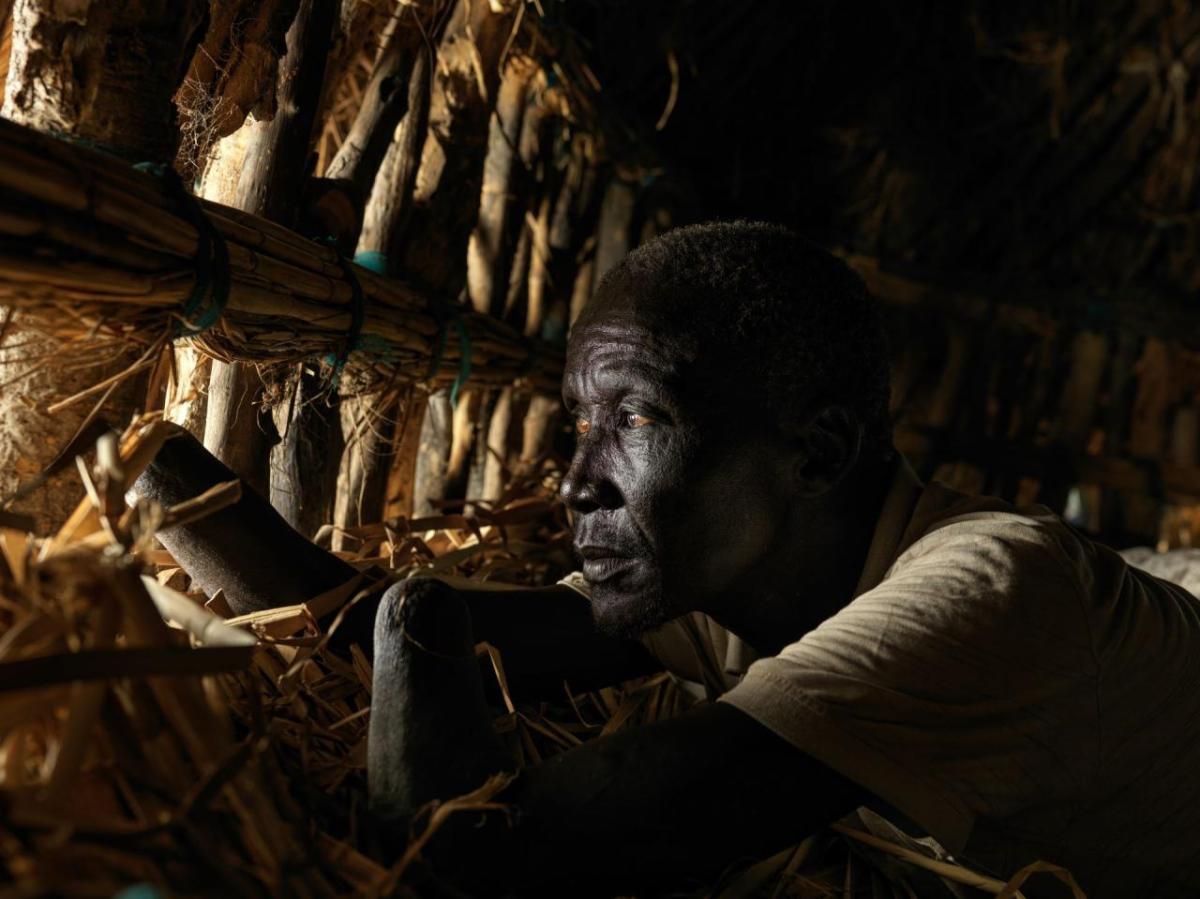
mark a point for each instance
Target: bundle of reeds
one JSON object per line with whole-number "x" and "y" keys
{"x": 93, "y": 251}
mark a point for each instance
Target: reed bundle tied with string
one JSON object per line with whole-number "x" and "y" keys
{"x": 96, "y": 253}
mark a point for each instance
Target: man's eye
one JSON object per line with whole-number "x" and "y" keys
{"x": 582, "y": 426}
{"x": 633, "y": 420}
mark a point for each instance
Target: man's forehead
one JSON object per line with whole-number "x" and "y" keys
{"x": 621, "y": 339}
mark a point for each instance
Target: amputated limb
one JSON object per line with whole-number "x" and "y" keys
{"x": 431, "y": 734}
{"x": 247, "y": 549}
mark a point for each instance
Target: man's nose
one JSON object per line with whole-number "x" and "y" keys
{"x": 585, "y": 487}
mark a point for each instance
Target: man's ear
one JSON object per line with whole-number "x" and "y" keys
{"x": 828, "y": 447}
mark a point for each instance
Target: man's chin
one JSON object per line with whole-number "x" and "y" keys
{"x": 628, "y": 613}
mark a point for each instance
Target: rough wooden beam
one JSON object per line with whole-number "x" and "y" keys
{"x": 385, "y": 101}
{"x": 489, "y": 248}
{"x": 613, "y": 234}
{"x": 369, "y": 422}
{"x": 369, "y": 429}
{"x": 401, "y": 488}
{"x": 445, "y": 208}
{"x": 270, "y": 183}
{"x": 430, "y": 472}
{"x": 446, "y": 195}
{"x": 233, "y": 69}
{"x": 303, "y": 462}
{"x": 388, "y": 208}
{"x": 304, "y": 467}
{"x": 103, "y": 74}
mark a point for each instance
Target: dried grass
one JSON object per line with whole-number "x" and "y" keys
{"x": 145, "y": 738}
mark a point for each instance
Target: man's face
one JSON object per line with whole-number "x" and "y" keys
{"x": 677, "y": 494}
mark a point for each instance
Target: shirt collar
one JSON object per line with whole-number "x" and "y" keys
{"x": 886, "y": 543}
{"x": 893, "y": 521}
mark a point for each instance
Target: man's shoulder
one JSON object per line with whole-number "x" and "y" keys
{"x": 947, "y": 521}
{"x": 982, "y": 552}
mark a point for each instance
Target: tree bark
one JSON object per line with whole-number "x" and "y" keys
{"x": 101, "y": 73}
{"x": 271, "y": 183}
{"x": 489, "y": 248}
{"x": 368, "y": 421}
{"x": 385, "y": 101}
{"x": 616, "y": 219}
{"x": 303, "y": 464}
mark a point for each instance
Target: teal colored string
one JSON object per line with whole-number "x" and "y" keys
{"x": 358, "y": 310}
{"x": 372, "y": 260}
{"x": 445, "y": 316}
{"x": 139, "y": 891}
{"x": 464, "y": 370}
{"x": 211, "y": 259}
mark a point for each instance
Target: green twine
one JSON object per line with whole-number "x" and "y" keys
{"x": 358, "y": 311}
{"x": 211, "y": 259}
{"x": 372, "y": 260}
{"x": 446, "y": 316}
{"x": 464, "y": 369}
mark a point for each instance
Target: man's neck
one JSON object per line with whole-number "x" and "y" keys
{"x": 814, "y": 568}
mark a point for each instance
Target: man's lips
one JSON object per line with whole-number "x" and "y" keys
{"x": 590, "y": 552}
{"x": 600, "y": 563}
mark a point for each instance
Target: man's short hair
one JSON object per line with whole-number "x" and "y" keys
{"x": 782, "y": 315}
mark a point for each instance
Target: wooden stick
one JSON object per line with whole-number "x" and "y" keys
{"x": 270, "y": 185}
{"x": 488, "y": 249}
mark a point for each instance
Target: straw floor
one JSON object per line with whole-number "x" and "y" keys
{"x": 145, "y": 737}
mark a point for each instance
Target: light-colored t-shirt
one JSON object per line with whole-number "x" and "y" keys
{"x": 1012, "y": 688}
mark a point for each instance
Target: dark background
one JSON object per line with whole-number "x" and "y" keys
{"x": 979, "y": 158}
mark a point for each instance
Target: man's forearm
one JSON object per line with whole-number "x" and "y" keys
{"x": 665, "y": 805}
{"x": 546, "y": 637}
{"x": 249, "y": 552}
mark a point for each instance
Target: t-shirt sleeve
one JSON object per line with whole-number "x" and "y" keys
{"x": 962, "y": 686}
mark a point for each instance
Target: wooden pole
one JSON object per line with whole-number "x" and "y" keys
{"x": 385, "y": 101}
{"x": 445, "y": 210}
{"x": 489, "y": 248}
{"x": 613, "y": 235}
{"x": 401, "y": 485}
{"x": 271, "y": 181}
{"x": 304, "y": 467}
{"x": 63, "y": 77}
{"x": 446, "y": 195}
{"x": 493, "y": 259}
{"x": 369, "y": 430}
{"x": 430, "y": 471}
{"x": 66, "y": 76}
{"x": 368, "y": 422}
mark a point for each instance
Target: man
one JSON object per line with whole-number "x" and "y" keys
{"x": 985, "y": 676}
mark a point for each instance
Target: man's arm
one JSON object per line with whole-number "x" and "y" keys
{"x": 677, "y": 801}
{"x": 247, "y": 550}
{"x": 659, "y": 805}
